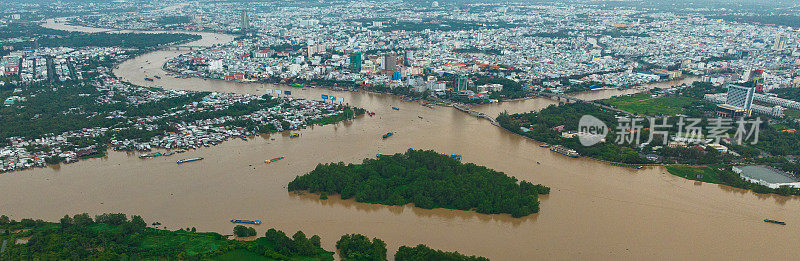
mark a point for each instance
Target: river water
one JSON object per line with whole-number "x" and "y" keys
{"x": 594, "y": 210}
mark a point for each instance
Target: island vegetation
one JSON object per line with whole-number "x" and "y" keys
{"x": 427, "y": 179}
{"x": 117, "y": 237}
{"x": 359, "y": 247}
{"x": 423, "y": 252}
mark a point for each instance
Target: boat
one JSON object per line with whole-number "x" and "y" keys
{"x": 639, "y": 167}
{"x": 388, "y": 134}
{"x": 456, "y": 157}
{"x": 564, "y": 151}
{"x": 775, "y": 222}
{"x": 168, "y": 153}
{"x": 148, "y": 79}
{"x": 273, "y": 160}
{"x": 395, "y": 108}
{"x": 545, "y": 146}
{"x": 151, "y": 155}
{"x": 245, "y": 221}
{"x": 157, "y": 77}
{"x": 294, "y": 135}
{"x": 188, "y": 160}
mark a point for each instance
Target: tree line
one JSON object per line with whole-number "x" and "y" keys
{"x": 114, "y": 236}
{"x": 360, "y": 247}
{"x": 427, "y": 179}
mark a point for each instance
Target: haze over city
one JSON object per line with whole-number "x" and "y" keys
{"x": 399, "y": 130}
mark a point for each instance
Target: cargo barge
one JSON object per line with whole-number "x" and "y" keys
{"x": 775, "y": 222}
{"x": 245, "y": 221}
{"x": 273, "y": 160}
{"x": 188, "y": 160}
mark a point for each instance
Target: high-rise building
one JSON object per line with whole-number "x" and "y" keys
{"x": 462, "y": 83}
{"x": 740, "y": 96}
{"x": 390, "y": 62}
{"x": 355, "y": 62}
{"x": 245, "y": 21}
{"x": 780, "y": 43}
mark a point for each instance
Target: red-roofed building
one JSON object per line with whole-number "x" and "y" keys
{"x": 266, "y": 53}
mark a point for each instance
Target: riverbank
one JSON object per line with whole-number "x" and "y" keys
{"x": 594, "y": 211}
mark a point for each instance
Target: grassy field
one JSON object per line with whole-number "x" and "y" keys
{"x": 709, "y": 175}
{"x": 644, "y": 104}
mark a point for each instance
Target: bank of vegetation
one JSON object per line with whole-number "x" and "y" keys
{"x": 360, "y": 247}
{"x": 427, "y": 179}
{"x": 31, "y": 35}
{"x": 117, "y": 237}
{"x": 722, "y": 174}
{"x": 546, "y": 126}
{"x": 775, "y": 145}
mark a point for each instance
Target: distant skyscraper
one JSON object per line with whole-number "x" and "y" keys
{"x": 355, "y": 62}
{"x": 390, "y": 62}
{"x": 780, "y": 43}
{"x": 740, "y": 96}
{"x": 245, "y": 21}
{"x": 462, "y": 83}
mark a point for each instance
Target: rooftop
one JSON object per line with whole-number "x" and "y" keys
{"x": 766, "y": 174}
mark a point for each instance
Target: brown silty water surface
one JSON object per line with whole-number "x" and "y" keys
{"x": 594, "y": 211}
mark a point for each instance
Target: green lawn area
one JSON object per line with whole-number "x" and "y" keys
{"x": 709, "y": 175}
{"x": 644, "y": 104}
{"x": 195, "y": 243}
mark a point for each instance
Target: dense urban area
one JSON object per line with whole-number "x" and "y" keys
{"x": 708, "y": 91}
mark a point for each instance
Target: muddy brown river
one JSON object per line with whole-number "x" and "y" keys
{"x": 594, "y": 211}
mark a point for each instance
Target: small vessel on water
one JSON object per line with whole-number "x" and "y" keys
{"x": 564, "y": 151}
{"x": 157, "y": 77}
{"x": 388, "y": 134}
{"x": 545, "y": 145}
{"x": 245, "y": 221}
{"x": 775, "y": 221}
{"x": 151, "y": 155}
{"x": 456, "y": 157}
{"x": 395, "y": 108}
{"x": 294, "y": 135}
{"x": 189, "y": 160}
{"x": 273, "y": 160}
{"x": 148, "y": 79}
